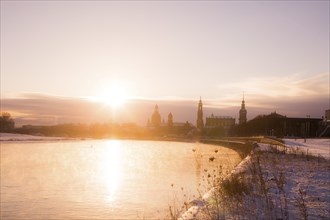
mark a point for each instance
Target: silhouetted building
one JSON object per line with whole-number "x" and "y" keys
{"x": 182, "y": 128}
{"x": 324, "y": 128}
{"x": 219, "y": 121}
{"x": 218, "y": 125}
{"x": 200, "y": 123}
{"x": 278, "y": 125}
{"x": 242, "y": 113}
{"x": 327, "y": 116}
{"x": 155, "y": 118}
{"x": 170, "y": 120}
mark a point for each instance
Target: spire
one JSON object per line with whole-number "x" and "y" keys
{"x": 200, "y": 101}
{"x": 200, "y": 123}
{"x": 242, "y": 113}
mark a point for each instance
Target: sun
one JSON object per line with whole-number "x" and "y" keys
{"x": 113, "y": 95}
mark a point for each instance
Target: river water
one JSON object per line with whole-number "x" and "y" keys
{"x": 103, "y": 179}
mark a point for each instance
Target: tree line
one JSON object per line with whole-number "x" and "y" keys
{"x": 7, "y": 123}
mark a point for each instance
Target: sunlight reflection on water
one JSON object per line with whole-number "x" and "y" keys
{"x": 111, "y": 168}
{"x": 101, "y": 179}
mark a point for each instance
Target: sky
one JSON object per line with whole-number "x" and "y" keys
{"x": 59, "y": 58}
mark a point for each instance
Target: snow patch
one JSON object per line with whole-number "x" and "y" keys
{"x": 315, "y": 147}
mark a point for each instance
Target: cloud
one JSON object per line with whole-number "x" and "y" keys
{"x": 294, "y": 85}
{"x": 47, "y": 110}
{"x": 293, "y": 96}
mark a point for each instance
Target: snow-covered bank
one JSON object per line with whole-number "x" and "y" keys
{"x": 24, "y": 137}
{"x": 316, "y": 147}
{"x": 198, "y": 205}
{"x": 284, "y": 183}
{"x": 297, "y": 186}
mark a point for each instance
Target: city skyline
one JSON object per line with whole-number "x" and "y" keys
{"x": 59, "y": 58}
{"x": 73, "y": 110}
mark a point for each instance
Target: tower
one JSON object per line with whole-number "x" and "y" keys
{"x": 242, "y": 113}
{"x": 200, "y": 123}
{"x": 170, "y": 120}
{"x": 155, "y": 118}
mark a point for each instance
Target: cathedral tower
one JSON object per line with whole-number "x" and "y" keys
{"x": 200, "y": 123}
{"x": 242, "y": 113}
{"x": 155, "y": 118}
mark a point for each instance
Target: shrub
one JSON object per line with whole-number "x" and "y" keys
{"x": 235, "y": 186}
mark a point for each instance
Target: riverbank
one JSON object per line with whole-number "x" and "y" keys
{"x": 26, "y": 137}
{"x": 277, "y": 181}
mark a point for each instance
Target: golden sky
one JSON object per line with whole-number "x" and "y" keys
{"x": 277, "y": 52}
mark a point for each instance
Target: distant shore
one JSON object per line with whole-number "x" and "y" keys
{"x": 26, "y": 137}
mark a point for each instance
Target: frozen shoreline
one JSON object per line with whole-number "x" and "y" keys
{"x": 305, "y": 189}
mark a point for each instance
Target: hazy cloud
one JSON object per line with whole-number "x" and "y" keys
{"x": 295, "y": 85}
{"x": 47, "y": 110}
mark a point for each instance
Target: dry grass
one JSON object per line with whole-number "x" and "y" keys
{"x": 268, "y": 189}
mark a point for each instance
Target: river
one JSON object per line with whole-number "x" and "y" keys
{"x": 103, "y": 179}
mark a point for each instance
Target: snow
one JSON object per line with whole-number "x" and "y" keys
{"x": 303, "y": 193}
{"x": 306, "y": 180}
{"x": 316, "y": 147}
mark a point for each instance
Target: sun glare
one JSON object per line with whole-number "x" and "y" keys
{"x": 114, "y": 96}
